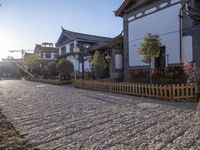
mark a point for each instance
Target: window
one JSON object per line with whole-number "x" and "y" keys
{"x": 63, "y": 50}
{"x": 47, "y": 55}
{"x": 71, "y": 47}
{"x": 160, "y": 62}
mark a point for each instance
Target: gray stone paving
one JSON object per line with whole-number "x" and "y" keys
{"x": 61, "y": 118}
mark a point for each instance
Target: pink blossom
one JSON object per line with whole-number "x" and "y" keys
{"x": 192, "y": 72}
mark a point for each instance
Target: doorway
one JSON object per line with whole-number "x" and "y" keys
{"x": 160, "y": 62}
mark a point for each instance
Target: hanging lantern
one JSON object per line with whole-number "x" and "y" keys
{"x": 107, "y": 58}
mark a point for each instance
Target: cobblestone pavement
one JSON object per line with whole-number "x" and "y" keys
{"x": 61, "y": 118}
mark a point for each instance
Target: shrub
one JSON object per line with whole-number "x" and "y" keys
{"x": 51, "y": 69}
{"x": 64, "y": 67}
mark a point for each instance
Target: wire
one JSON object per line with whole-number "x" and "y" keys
{"x": 167, "y": 33}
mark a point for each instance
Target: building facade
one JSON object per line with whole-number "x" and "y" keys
{"x": 46, "y": 51}
{"x": 74, "y": 47}
{"x": 175, "y": 21}
{"x": 113, "y": 55}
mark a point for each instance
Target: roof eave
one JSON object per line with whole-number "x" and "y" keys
{"x": 121, "y": 9}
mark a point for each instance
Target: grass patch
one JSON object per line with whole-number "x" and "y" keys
{"x": 10, "y": 138}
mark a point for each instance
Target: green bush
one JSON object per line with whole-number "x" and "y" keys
{"x": 51, "y": 69}
{"x": 64, "y": 67}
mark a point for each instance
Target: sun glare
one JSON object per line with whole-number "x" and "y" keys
{"x": 8, "y": 41}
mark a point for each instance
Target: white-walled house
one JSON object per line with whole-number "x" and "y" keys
{"x": 73, "y": 45}
{"x": 46, "y": 51}
{"x": 177, "y": 22}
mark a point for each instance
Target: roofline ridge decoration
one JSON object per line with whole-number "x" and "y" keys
{"x": 84, "y": 33}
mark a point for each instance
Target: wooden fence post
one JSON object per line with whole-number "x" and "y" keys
{"x": 173, "y": 92}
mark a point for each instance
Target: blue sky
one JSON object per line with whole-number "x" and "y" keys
{"x": 26, "y": 22}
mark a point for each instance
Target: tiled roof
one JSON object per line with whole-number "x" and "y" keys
{"x": 127, "y": 3}
{"x": 76, "y": 35}
{"x": 109, "y": 43}
{"x": 71, "y": 36}
{"x": 121, "y": 9}
{"x": 39, "y": 47}
{"x": 98, "y": 46}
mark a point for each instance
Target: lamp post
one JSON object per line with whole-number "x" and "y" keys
{"x": 83, "y": 47}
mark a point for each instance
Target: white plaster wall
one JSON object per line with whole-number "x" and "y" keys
{"x": 187, "y": 49}
{"x": 87, "y": 66}
{"x": 67, "y": 48}
{"x": 44, "y": 55}
{"x": 164, "y": 23}
{"x": 53, "y": 55}
{"x": 74, "y": 61}
{"x": 118, "y": 61}
{"x": 59, "y": 53}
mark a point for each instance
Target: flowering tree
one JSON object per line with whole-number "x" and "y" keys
{"x": 192, "y": 72}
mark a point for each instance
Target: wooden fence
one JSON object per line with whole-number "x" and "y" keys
{"x": 169, "y": 92}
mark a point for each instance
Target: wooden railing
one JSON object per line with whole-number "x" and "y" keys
{"x": 168, "y": 92}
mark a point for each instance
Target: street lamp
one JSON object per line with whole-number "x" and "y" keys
{"x": 83, "y": 47}
{"x": 107, "y": 58}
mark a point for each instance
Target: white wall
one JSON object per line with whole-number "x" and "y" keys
{"x": 87, "y": 66}
{"x": 74, "y": 61}
{"x": 187, "y": 49}
{"x": 67, "y": 47}
{"x": 53, "y": 55}
{"x": 59, "y": 53}
{"x": 76, "y": 64}
{"x": 162, "y": 23}
{"x": 44, "y": 55}
{"x": 118, "y": 61}
{"x": 71, "y": 58}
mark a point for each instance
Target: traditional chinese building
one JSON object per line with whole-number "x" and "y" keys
{"x": 177, "y": 22}
{"x": 46, "y": 51}
{"x": 74, "y": 47}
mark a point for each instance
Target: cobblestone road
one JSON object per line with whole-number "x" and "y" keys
{"x": 57, "y": 117}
